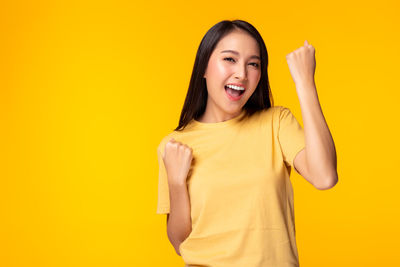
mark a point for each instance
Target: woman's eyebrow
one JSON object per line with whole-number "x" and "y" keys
{"x": 237, "y": 53}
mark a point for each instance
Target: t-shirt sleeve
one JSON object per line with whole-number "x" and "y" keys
{"x": 290, "y": 135}
{"x": 163, "y": 190}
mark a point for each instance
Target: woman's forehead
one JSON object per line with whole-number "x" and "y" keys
{"x": 241, "y": 44}
{"x": 247, "y": 51}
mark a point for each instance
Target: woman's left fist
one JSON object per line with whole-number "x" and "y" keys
{"x": 302, "y": 64}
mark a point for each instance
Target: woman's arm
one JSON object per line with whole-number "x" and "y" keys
{"x": 179, "y": 224}
{"x": 319, "y": 156}
{"x": 318, "y": 161}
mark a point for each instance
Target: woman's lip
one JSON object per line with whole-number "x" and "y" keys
{"x": 237, "y": 84}
{"x": 232, "y": 98}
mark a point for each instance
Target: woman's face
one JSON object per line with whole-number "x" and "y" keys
{"x": 235, "y": 60}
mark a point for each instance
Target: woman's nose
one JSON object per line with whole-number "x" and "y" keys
{"x": 241, "y": 72}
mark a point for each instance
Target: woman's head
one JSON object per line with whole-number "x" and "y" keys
{"x": 244, "y": 64}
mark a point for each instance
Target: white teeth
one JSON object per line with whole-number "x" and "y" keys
{"x": 235, "y": 87}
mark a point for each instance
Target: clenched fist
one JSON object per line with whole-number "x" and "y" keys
{"x": 302, "y": 64}
{"x": 177, "y": 160}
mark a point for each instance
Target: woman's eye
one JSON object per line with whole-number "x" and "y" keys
{"x": 227, "y": 58}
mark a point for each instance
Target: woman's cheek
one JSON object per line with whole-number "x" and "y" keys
{"x": 255, "y": 76}
{"x": 222, "y": 70}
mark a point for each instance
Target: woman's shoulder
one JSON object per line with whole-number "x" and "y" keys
{"x": 275, "y": 110}
{"x": 271, "y": 115}
{"x": 271, "y": 111}
{"x": 164, "y": 140}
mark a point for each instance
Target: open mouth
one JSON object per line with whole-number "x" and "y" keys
{"x": 233, "y": 92}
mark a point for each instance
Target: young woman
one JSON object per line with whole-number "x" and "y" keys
{"x": 224, "y": 172}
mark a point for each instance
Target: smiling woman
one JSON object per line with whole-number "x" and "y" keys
{"x": 221, "y": 213}
{"x": 232, "y": 75}
{"x": 231, "y": 52}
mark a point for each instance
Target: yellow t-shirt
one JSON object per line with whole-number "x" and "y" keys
{"x": 241, "y": 196}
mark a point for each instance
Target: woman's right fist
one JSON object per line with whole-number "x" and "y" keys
{"x": 177, "y": 160}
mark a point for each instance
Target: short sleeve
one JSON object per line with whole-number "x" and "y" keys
{"x": 163, "y": 190}
{"x": 290, "y": 135}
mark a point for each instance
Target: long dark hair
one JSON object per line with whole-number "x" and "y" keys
{"x": 196, "y": 97}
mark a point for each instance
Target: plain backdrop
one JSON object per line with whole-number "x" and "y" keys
{"x": 89, "y": 88}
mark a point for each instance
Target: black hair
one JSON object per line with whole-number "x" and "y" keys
{"x": 196, "y": 97}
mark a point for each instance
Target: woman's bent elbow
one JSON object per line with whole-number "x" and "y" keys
{"x": 177, "y": 249}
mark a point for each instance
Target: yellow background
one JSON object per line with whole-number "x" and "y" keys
{"x": 88, "y": 89}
